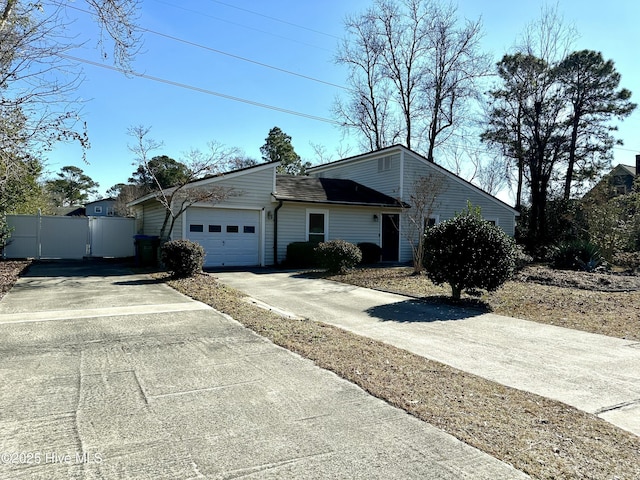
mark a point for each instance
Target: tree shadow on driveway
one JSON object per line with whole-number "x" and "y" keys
{"x": 428, "y": 309}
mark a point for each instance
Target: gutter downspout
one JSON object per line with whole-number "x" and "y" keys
{"x": 275, "y": 233}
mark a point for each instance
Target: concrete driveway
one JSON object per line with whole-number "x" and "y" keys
{"x": 108, "y": 374}
{"x": 594, "y": 373}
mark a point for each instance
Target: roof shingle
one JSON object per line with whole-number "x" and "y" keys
{"x": 330, "y": 190}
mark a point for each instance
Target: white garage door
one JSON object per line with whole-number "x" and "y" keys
{"x": 230, "y": 237}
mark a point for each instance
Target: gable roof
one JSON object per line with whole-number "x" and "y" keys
{"x": 628, "y": 169}
{"x": 207, "y": 179}
{"x": 330, "y": 191}
{"x": 400, "y": 148}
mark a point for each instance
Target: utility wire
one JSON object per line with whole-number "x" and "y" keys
{"x": 275, "y": 19}
{"x": 221, "y": 52}
{"x": 199, "y": 89}
{"x": 241, "y": 25}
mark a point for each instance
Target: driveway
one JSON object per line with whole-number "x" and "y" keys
{"x": 594, "y": 373}
{"x": 109, "y": 374}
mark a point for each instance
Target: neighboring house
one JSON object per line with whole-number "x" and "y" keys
{"x": 101, "y": 208}
{"x": 359, "y": 199}
{"x": 620, "y": 179}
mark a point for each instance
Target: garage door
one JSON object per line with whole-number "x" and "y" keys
{"x": 230, "y": 237}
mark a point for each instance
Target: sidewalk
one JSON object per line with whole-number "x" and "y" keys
{"x": 109, "y": 374}
{"x": 595, "y": 373}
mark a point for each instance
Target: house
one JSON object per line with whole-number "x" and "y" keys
{"x": 358, "y": 199}
{"x": 105, "y": 207}
{"x": 622, "y": 177}
{"x": 618, "y": 182}
{"x": 393, "y": 171}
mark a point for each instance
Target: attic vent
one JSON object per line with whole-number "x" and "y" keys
{"x": 384, "y": 164}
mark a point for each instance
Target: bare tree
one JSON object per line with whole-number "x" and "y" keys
{"x": 423, "y": 201}
{"x": 200, "y": 165}
{"x": 367, "y": 108}
{"x": 412, "y": 69}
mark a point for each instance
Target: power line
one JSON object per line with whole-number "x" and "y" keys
{"x": 241, "y": 25}
{"x": 199, "y": 89}
{"x": 221, "y": 52}
{"x": 275, "y": 19}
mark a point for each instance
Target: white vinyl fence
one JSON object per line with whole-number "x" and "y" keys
{"x": 42, "y": 236}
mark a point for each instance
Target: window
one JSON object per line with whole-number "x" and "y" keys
{"x": 384, "y": 164}
{"x": 621, "y": 190}
{"x": 492, "y": 221}
{"x": 232, "y": 229}
{"x": 215, "y": 228}
{"x": 249, "y": 229}
{"x": 430, "y": 222}
{"x": 196, "y": 228}
{"x": 110, "y": 211}
{"x": 97, "y": 209}
{"x": 316, "y": 230}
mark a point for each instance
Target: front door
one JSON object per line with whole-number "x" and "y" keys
{"x": 390, "y": 237}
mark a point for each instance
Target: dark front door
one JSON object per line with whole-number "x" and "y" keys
{"x": 390, "y": 237}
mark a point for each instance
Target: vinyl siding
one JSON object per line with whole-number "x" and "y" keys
{"x": 251, "y": 190}
{"x": 456, "y": 193}
{"x": 353, "y": 224}
{"x": 366, "y": 172}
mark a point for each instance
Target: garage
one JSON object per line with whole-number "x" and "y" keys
{"x": 230, "y": 237}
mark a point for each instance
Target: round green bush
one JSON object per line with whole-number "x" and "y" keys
{"x": 338, "y": 256}
{"x": 468, "y": 253}
{"x": 370, "y": 252}
{"x": 183, "y": 258}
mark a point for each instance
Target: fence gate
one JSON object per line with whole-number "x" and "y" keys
{"x": 43, "y": 236}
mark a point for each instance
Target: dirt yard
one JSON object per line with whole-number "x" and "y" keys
{"x": 603, "y": 303}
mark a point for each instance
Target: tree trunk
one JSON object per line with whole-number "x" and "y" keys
{"x": 572, "y": 155}
{"x": 456, "y": 291}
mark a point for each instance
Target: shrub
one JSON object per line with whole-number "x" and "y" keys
{"x": 522, "y": 258}
{"x": 183, "y": 258}
{"x": 370, "y": 252}
{"x": 468, "y": 253}
{"x": 338, "y": 256}
{"x": 301, "y": 255}
{"x": 577, "y": 255}
{"x": 628, "y": 260}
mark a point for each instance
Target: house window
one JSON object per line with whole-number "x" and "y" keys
{"x": 196, "y": 228}
{"x": 110, "y": 211}
{"x": 430, "y": 222}
{"x": 97, "y": 209}
{"x": 232, "y": 229}
{"x": 621, "y": 190}
{"x": 317, "y": 226}
{"x": 249, "y": 229}
{"x": 384, "y": 164}
{"x": 492, "y": 221}
{"x": 215, "y": 228}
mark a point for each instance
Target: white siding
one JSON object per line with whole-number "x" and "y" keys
{"x": 353, "y": 224}
{"x": 366, "y": 172}
{"x": 455, "y": 192}
{"x": 249, "y": 190}
{"x": 453, "y": 198}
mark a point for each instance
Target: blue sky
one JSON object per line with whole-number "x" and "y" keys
{"x": 271, "y": 33}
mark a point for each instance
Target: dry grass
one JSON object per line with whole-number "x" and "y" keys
{"x": 612, "y": 313}
{"x": 542, "y": 437}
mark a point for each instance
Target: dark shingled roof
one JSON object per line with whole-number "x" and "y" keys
{"x": 330, "y": 190}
